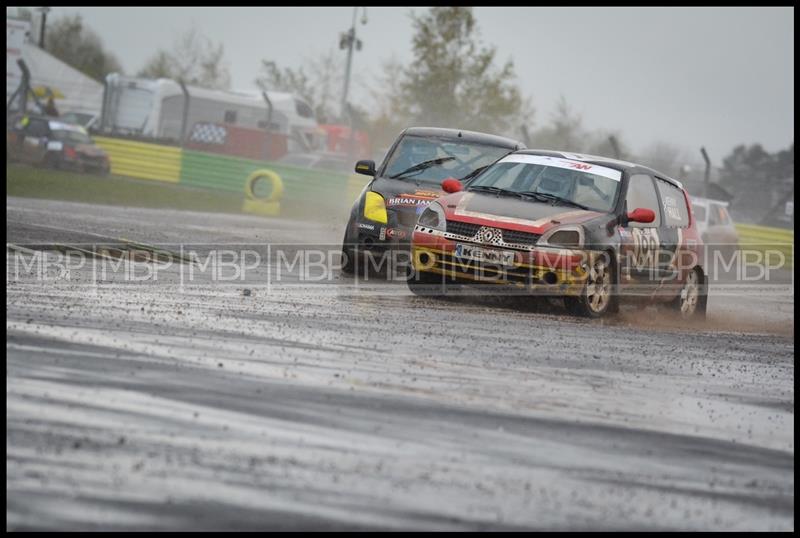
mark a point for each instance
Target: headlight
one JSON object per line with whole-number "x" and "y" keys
{"x": 433, "y": 217}
{"x": 564, "y": 236}
{"x": 375, "y": 208}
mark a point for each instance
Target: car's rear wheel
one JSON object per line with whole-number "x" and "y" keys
{"x": 596, "y": 298}
{"x": 691, "y": 302}
{"x": 52, "y": 160}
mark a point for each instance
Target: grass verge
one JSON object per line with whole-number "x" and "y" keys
{"x": 33, "y": 182}
{"x": 769, "y": 241}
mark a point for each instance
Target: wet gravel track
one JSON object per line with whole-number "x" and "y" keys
{"x": 344, "y": 406}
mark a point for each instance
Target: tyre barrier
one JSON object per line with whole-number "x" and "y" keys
{"x": 263, "y": 192}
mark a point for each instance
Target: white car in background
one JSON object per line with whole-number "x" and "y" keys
{"x": 714, "y": 224}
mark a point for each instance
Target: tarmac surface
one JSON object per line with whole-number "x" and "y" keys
{"x": 290, "y": 399}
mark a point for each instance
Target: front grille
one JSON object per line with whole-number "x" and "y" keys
{"x": 458, "y": 268}
{"x": 511, "y": 237}
{"x": 520, "y": 238}
{"x": 462, "y": 228}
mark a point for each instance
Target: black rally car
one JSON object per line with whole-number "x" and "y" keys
{"x": 410, "y": 177}
{"x": 42, "y": 140}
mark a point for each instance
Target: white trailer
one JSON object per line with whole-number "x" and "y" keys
{"x": 155, "y": 108}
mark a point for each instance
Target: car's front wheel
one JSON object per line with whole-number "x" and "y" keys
{"x": 349, "y": 258}
{"x": 52, "y": 160}
{"x": 349, "y": 262}
{"x": 596, "y": 298}
{"x": 425, "y": 284}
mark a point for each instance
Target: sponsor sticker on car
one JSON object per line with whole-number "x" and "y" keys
{"x": 485, "y": 255}
{"x": 418, "y": 198}
{"x": 396, "y": 233}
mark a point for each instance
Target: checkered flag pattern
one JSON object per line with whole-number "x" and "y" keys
{"x": 209, "y": 133}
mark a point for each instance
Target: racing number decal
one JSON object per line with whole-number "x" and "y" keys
{"x": 646, "y": 245}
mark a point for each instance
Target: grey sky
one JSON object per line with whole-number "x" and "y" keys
{"x": 689, "y": 76}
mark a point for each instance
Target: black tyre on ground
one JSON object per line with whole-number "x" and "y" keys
{"x": 349, "y": 259}
{"x": 425, "y": 284}
{"x": 52, "y": 160}
{"x": 692, "y": 301}
{"x": 597, "y": 298}
{"x": 349, "y": 262}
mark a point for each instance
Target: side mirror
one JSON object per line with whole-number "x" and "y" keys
{"x": 365, "y": 167}
{"x": 451, "y": 185}
{"x": 641, "y": 214}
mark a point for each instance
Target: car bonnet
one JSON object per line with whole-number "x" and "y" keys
{"x": 511, "y": 213}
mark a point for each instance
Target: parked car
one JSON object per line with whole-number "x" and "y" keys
{"x": 715, "y": 225}
{"x": 409, "y": 178}
{"x": 589, "y": 229}
{"x": 50, "y": 142}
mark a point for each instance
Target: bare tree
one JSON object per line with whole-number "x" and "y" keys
{"x": 564, "y": 132}
{"x": 317, "y": 81}
{"x": 664, "y": 157}
{"x": 194, "y": 58}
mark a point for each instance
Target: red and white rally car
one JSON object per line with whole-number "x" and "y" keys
{"x": 586, "y": 228}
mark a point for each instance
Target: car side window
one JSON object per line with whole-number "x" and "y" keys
{"x": 37, "y": 128}
{"x": 642, "y": 193}
{"x": 673, "y": 202}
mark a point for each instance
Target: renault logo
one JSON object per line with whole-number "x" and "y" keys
{"x": 488, "y": 235}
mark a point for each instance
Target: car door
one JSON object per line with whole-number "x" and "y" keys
{"x": 640, "y": 271}
{"x": 674, "y": 221}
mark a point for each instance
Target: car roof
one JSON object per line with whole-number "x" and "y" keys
{"x": 466, "y": 136}
{"x": 708, "y": 201}
{"x": 617, "y": 164}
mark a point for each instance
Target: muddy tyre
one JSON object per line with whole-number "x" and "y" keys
{"x": 596, "y": 299}
{"x": 692, "y": 300}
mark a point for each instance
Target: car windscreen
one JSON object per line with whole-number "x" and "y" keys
{"x": 589, "y": 185}
{"x": 73, "y": 137}
{"x": 431, "y": 159}
{"x": 75, "y": 117}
